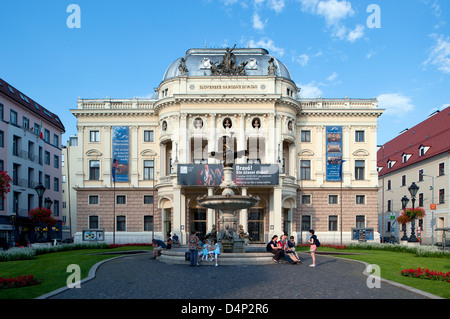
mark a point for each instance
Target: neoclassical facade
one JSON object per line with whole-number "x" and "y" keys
{"x": 141, "y": 164}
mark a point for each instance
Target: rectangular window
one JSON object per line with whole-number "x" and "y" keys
{"x": 13, "y": 117}
{"x": 121, "y": 199}
{"x": 148, "y": 136}
{"x": 94, "y": 170}
{"x": 47, "y": 181}
{"x": 121, "y": 223}
{"x": 47, "y": 157}
{"x": 55, "y": 140}
{"x": 360, "y": 221}
{"x": 441, "y": 196}
{"x": 2, "y": 139}
{"x": 93, "y": 199}
{"x": 306, "y": 222}
{"x": 389, "y": 205}
{"x": 47, "y": 136}
{"x": 93, "y": 222}
{"x": 25, "y": 123}
{"x": 332, "y": 223}
{"x": 421, "y": 175}
{"x": 148, "y": 169}
{"x": 94, "y": 136}
{"x": 389, "y": 185}
{"x": 306, "y": 199}
{"x": 441, "y": 169}
{"x": 56, "y": 184}
{"x": 56, "y": 161}
{"x": 305, "y": 169}
{"x": 148, "y": 199}
{"x": 306, "y": 136}
{"x": 359, "y": 136}
{"x": 56, "y": 208}
{"x": 421, "y": 200}
{"x": 148, "y": 223}
{"x": 359, "y": 170}
{"x": 360, "y": 199}
{"x": 332, "y": 199}
{"x": 403, "y": 180}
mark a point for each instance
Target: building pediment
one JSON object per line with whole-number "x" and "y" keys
{"x": 361, "y": 152}
{"x": 93, "y": 152}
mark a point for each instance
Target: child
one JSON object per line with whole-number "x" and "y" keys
{"x": 205, "y": 251}
{"x": 215, "y": 251}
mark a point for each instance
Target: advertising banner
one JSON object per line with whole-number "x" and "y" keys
{"x": 334, "y": 153}
{"x": 121, "y": 153}
{"x": 212, "y": 174}
{"x": 93, "y": 234}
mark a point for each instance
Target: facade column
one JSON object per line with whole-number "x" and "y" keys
{"x": 275, "y": 212}
{"x": 270, "y": 138}
{"x": 319, "y": 174}
{"x": 212, "y": 137}
{"x": 243, "y": 216}
{"x": 177, "y": 213}
{"x": 210, "y": 213}
{"x": 80, "y": 159}
{"x": 346, "y": 142}
{"x": 241, "y": 143}
{"x": 183, "y": 139}
{"x": 108, "y": 157}
{"x": 134, "y": 155}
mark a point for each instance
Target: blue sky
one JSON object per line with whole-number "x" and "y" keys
{"x": 123, "y": 48}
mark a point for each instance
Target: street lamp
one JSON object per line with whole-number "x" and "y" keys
{"x": 40, "y": 189}
{"x": 405, "y": 201}
{"x": 413, "y": 189}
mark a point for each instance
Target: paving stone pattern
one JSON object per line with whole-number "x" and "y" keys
{"x": 140, "y": 277}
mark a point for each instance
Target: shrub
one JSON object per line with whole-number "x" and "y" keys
{"x": 20, "y": 281}
{"x": 423, "y": 273}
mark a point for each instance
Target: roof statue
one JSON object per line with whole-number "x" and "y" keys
{"x": 182, "y": 67}
{"x": 272, "y": 68}
{"x": 228, "y": 66}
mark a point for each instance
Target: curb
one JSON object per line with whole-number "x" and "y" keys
{"x": 91, "y": 275}
{"x": 392, "y": 283}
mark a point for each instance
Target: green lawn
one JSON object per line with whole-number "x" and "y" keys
{"x": 51, "y": 270}
{"x": 392, "y": 263}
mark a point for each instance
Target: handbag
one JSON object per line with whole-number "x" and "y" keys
{"x": 187, "y": 256}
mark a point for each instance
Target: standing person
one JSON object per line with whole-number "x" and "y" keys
{"x": 193, "y": 248}
{"x": 215, "y": 251}
{"x": 273, "y": 248}
{"x": 312, "y": 241}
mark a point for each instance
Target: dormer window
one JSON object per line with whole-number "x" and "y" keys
{"x": 423, "y": 150}
{"x": 405, "y": 157}
{"x": 391, "y": 164}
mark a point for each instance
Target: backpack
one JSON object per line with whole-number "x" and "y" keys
{"x": 317, "y": 242}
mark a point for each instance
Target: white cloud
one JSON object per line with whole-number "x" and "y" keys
{"x": 356, "y": 34}
{"x": 267, "y": 44}
{"x": 276, "y": 5}
{"x": 440, "y": 53}
{"x": 335, "y": 12}
{"x": 257, "y": 23}
{"x": 395, "y": 104}
{"x": 332, "y": 77}
{"x": 303, "y": 59}
{"x": 310, "y": 91}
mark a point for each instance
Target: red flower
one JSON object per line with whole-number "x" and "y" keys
{"x": 42, "y": 215}
{"x": 5, "y": 185}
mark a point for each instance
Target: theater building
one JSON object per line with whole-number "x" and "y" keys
{"x": 142, "y": 163}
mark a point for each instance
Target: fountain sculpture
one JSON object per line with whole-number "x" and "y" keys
{"x": 228, "y": 236}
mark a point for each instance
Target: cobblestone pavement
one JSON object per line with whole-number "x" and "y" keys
{"x": 139, "y": 277}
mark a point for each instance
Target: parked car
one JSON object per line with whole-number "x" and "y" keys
{"x": 68, "y": 241}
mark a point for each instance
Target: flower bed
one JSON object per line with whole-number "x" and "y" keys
{"x": 423, "y": 273}
{"x": 18, "y": 282}
{"x": 125, "y": 245}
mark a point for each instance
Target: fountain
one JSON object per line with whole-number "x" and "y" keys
{"x": 228, "y": 203}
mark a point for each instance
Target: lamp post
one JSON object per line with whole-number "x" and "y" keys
{"x": 405, "y": 201}
{"x": 413, "y": 189}
{"x": 40, "y": 189}
{"x": 48, "y": 204}
{"x": 432, "y": 211}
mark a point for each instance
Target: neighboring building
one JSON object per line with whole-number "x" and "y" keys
{"x": 30, "y": 142}
{"x": 69, "y": 183}
{"x": 250, "y": 100}
{"x": 421, "y": 155}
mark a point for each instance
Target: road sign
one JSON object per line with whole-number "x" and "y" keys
{"x": 433, "y": 206}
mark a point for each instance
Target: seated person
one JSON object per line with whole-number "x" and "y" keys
{"x": 158, "y": 245}
{"x": 290, "y": 249}
{"x": 169, "y": 242}
{"x": 274, "y": 249}
{"x": 175, "y": 240}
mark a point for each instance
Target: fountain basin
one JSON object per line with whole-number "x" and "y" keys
{"x": 225, "y": 203}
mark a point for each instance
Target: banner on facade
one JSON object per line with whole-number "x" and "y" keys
{"x": 362, "y": 234}
{"x": 212, "y": 174}
{"x": 334, "y": 153}
{"x": 121, "y": 153}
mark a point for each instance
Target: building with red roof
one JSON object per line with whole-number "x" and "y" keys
{"x": 30, "y": 152}
{"x": 420, "y": 154}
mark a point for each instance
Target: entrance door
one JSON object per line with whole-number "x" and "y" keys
{"x": 167, "y": 221}
{"x": 198, "y": 221}
{"x": 256, "y": 224}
